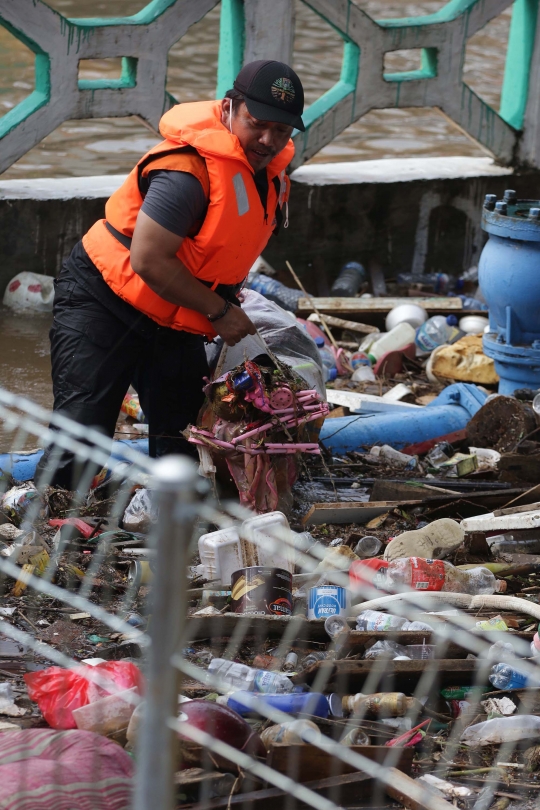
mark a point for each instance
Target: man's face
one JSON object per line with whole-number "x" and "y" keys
{"x": 260, "y": 140}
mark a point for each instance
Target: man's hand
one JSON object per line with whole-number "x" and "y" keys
{"x": 234, "y": 326}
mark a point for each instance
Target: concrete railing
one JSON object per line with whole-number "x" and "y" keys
{"x": 255, "y": 29}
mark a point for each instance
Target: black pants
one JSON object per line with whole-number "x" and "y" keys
{"x": 96, "y": 356}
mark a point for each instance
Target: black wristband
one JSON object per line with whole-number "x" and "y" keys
{"x": 226, "y": 308}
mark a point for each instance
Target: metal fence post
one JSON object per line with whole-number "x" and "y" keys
{"x": 175, "y": 488}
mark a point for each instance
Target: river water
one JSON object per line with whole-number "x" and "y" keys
{"x": 112, "y": 146}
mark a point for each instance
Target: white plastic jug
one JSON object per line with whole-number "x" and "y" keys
{"x": 256, "y": 543}
{"x": 400, "y": 336}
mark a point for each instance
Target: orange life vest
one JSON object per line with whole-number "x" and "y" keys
{"x": 233, "y": 233}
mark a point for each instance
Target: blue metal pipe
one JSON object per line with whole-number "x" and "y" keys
{"x": 450, "y": 411}
{"x": 22, "y": 466}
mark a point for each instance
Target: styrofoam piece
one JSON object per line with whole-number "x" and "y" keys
{"x": 30, "y": 291}
{"x": 397, "y": 393}
{"x": 490, "y": 523}
{"x": 366, "y": 402}
{"x": 257, "y": 542}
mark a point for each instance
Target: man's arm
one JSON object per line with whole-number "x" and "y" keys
{"x": 154, "y": 259}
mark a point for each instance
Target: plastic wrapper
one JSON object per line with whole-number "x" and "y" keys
{"x": 386, "y": 649}
{"x": 59, "y": 691}
{"x": 284, "y": 335}
{"x": 140, "y": 513}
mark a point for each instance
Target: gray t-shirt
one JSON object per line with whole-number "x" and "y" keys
{"x": 175, "y": 200}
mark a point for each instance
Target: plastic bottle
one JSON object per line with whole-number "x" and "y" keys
{"x": 503, "y": 676}
{"x": 368, "y": 546}
{"x": 355, "y": 736}
{"x": 337, "y": 626}
{"x": 473, "y": 303}
{"x": 277, "y": 292}
{"x": 312, "y": 703}
{"x": 400, "y": 336}
{"x": 439, "y": 575}
{"x": 377, "y": 621}
{"x": 363, "y": 374}
{"x": 351, "y": 276}
{"x": 502, "y": 729}
{"x": 439, "y": 281}
{"x": 327, "y": 358}
{"x": 505, "y": 544}
{"x": 389, "y": 704}
{"x": 435, "y": 332}
{"x": 240, "y": 676}
{"x": 313, "y": 658}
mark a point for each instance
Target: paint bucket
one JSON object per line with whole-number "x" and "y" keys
{"x": 261, "y": 591}
{"x": 327, "y": 600}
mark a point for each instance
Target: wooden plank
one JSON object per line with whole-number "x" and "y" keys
{"x": 394, "y": 490}
{"x": 512, "y": 510}
{"x": 340, "y": 323}
{"x": 300, "y": 762}
{"x": 394, "y": 675}
{"x": 412, "y": 794}
{"x": 345, "y": 789}
{"x": 198, "y": 627}
{"x": 335, "y": 305}
{"x": 356, "y": 512}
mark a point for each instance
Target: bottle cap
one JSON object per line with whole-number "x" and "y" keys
{"x": 319, "y": 341}
{"x": 332, "y": 374}
{"x": 335, "y": 704}
{"x": 501, "y": 586}
{"x": 372, "y": 359}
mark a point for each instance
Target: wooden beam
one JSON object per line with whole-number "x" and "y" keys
{"x": 347, "y": 306}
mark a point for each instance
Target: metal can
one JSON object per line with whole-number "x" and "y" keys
{"x": 327, "y": 600}
{"x": 261, "y": 591}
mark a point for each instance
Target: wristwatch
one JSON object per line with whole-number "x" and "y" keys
{"x": 226, "y": 308}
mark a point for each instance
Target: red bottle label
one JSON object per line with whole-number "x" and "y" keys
{"x": 427, "y": 575}
{"x": 371, "y": 571}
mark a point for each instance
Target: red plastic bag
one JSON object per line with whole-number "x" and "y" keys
{"x": 59, "y": 691}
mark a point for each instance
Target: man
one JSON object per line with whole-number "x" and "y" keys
{"x": 144, "y": 288}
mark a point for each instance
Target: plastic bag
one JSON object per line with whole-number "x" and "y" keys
{"x": 59, "y": 691}
{"x": 140, "y": 513}
{"x": 386, "y": 649}
{"x": 284, "y": 335}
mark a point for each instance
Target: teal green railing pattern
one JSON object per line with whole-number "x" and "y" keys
{"x": 143, "y": 41}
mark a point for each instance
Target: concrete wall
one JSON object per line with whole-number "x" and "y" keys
{"x": 410, "y": 214}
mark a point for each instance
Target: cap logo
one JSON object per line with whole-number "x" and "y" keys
{"x": 283, "y": 90}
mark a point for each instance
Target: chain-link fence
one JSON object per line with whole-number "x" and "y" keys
{"x": 363, "y": 718}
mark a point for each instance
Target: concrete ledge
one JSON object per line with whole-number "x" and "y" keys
{"x": 61, "y": 188}
{"x": 398, "y": 170}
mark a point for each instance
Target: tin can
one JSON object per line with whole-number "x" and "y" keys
{"x": 261, "y": 591}
{"x": 327, "y": 600}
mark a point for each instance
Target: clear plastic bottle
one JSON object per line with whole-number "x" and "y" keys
{"x": 240, "y": 676}
{"x": 277, "y": 292}
{"x": 434, "y": 332}
{"x": 502, "y": 729}
{"x": 337, "y": 626}
{"x": 376, "y": 621}
{"x": 506, "y": 544}
{"x": 351, "y": 276}
{"x": 368, "y": 546}
{"x": 359, "y": 359}
{"x": 328, "y": 360}
{"x": 503, "y": 676}
{"x": 439, "y": 281}
{"x": 439, "y": 575}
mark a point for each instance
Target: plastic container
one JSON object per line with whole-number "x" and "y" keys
{"x": 503, "y": 676}
{"x": 355, "y": 737}
{"x": 277, "y": 292}
{"x": 433, "y": 333}
{"x": 502, "y": 730}
{"x": 311, "y": 703}
{"x": 400, "y": 336}
{"x": 337, "y": 627}
{"x": 473, "y": 324}
{"x": 421, "y": 652}
{"x": 297, "y": 731}
{"x": 413, "y": 314}
{"x": 242, "y": 677}
{"x": 108, "y": 715}
{"x": 387, "y": 704}
{"x": 439, "y": 575}
{"x": 363, "y": 374}
{"x": 30, "y": 291}
{"x": 223, "y": 552}
{"x": 351, "y": 277}
{"x": 505, "y": 544}
{"x": 368, "y": 546}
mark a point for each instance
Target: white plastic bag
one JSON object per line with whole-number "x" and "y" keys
{"x": 140, "y": 513}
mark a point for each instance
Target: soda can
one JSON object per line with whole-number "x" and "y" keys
{"x": 327, "y": 600}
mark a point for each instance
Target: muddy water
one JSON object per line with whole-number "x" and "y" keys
{"x": 112, "y": 146}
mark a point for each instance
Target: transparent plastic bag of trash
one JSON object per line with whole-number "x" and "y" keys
{"x": 386, "y": 649}
{"x": 284, "y": 335}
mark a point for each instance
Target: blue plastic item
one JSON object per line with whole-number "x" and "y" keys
{"x": 506, "y": 677}
{"x": 450, "y": 411}
{"x": 351, "y": 276}
{"x": 22, "y": 466}
{"x": 510, "y": 281}
{"x": 277, "y": 292}
{"x": 311, "y": 703}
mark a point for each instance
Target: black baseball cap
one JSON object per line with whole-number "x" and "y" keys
{"x": 272, "y": 92}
